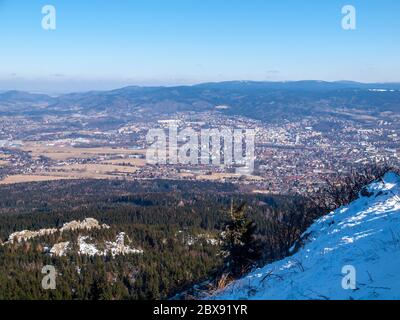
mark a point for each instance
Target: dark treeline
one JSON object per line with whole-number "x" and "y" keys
{"x": 159, "y": 217}
{"x": 48, "y": 205}
{"x": 156, "y": 216}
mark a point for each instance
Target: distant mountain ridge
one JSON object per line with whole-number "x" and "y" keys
{"x": 300, "y": 85}
{"x": 22, "y": 96}
{"x": 268, "y": 101}
{"x": 232, "y": 85}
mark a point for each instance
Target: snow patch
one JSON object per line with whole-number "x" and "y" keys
{"x": 60, "y": 249}
{"x": 365, "y": 234}
{"x": 115, "y": 248}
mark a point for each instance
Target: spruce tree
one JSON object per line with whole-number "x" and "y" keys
{"x": 240, "y": 247}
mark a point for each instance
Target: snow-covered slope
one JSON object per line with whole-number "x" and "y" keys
{"x": 364, "y": 235}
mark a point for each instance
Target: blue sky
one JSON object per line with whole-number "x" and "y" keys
{"x": 102, "y": 44}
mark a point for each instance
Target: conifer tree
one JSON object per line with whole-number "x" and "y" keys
{"x": 240, "y": 247}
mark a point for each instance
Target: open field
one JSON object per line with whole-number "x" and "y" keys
{"x": 4, "y": 160}
{"x": 23, "y": 178}
{"x": 91, "y": 170}
{"x": 3, "y": 163}
{"x": 54, "y": 161}
{"x": 65, "y": 162}
{"x": 61, "y": 153}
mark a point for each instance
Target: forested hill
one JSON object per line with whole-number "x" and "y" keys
{"x": 268, "y": 101}
{"x": 147, "y": 240}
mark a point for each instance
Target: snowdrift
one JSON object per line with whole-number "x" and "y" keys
{"x": 352, "y": 253}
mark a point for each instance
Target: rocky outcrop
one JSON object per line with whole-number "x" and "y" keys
{"x": 87, "y": 224}
{"x": 27, "y": 235}
{"x": 86, "y": 245}
{"x": 86, "y": 248}
{"x": 115, "y": 248}
{"x": 119, "y": 248}
{"x": 60, "y": 249}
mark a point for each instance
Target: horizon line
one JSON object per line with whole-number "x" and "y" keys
{"x": 188, "y": 85}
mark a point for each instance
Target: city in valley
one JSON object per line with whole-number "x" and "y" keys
{"x": 59, "y": 140}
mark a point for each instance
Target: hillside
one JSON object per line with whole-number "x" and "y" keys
{"x": 364, "y": 234}
{"x": 266, "y": 101}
